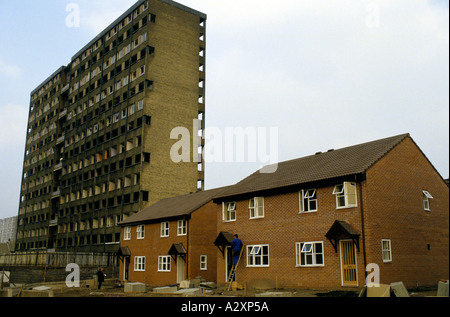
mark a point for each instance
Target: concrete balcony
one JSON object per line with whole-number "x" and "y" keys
{"x": 53, "y": 222}
{"x": 65, "y": 88}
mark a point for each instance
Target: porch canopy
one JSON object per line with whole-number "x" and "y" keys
{"x": 123, "y": 252}
{"x": 223, "y": 240}
{"x": 342, "y": 230}
{"x": 178, "y": 250}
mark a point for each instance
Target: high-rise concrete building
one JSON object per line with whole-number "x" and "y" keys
{"x": 98, "y": 139}
{"x": 8, "y": 229}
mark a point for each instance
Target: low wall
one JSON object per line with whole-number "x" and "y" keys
{"x": 32, "y": 275}
{"x": 57, "y": 259}
{"x": 39, "y": 267}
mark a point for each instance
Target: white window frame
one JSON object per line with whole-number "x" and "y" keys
{"x": 256, "y": 207}
{"x": 164, "y": 263}
{"x": 140, "y": 232}
{"x": 229, "y": 211}
{"x": 386, "y": 251}
{"x": 182, "y": 227}
{"x": 164, "y": 229}
{"x": 203, "y": 262}
{"x": 304, "y": 249}
{"x": 127, "y": 233}
{"x": 345, "y": 193}
{"x": 426, "y": 196}
{"x": 256, "y": 255}
{"x": 139, "y": 263}
{"x": 306, "y": 198}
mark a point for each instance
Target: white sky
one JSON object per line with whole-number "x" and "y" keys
{"x": 326, "y": 73}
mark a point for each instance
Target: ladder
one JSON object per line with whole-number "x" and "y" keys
{"x": 233, "y": 269}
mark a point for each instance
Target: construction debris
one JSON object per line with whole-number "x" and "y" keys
{"x": 134, "y": 288}
{"x": 442, "y": 288}
{"x": 396, "y": 289}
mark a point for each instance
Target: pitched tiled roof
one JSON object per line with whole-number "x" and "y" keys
{"x": 173, "y": 207}
{"x": 332, "y": 164}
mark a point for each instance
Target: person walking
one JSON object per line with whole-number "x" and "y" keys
{"x": 100, "y": 277}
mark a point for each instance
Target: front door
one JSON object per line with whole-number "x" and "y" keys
{"x": 348, "y": 263}
{"x": 180, "y": 269}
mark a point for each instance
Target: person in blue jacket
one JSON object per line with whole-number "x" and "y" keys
{"x": 236, "y": 245}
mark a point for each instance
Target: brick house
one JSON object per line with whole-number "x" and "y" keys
{"x": 170, "y": 241}
{"x": 320, "y": 220}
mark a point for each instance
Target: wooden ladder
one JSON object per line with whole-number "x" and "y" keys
{"x": 233, "y": 269}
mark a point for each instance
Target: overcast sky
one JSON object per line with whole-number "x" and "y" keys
{"x": 325, "y": 73}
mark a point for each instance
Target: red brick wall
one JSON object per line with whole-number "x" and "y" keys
{"x": 201, "y": 234}
{"x": 393, "y": 209}
{"x": 283, "y": 226}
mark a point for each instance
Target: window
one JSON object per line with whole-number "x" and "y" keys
{"x": 308, "y": 200}
{"x": 426, "y": 200}
{"x": 345, "y": 195}
{"x": 386, "y": 250}
{"x": 182, "y": 227}
{"x": 309, "y": 253}
{"x": 229, "y": 211}
{"x": 257, "y": 255}
{"x": 164, "y": 229}
{"x": 256, "y": 207}
{"x": 164, "y": 263}
{"x": 140, "y": 104}
{"x": 139, "y": 263}
{"x": 140, "y": 231}
{"x": 203, "y": 263}
{"x": 127, "y": 233}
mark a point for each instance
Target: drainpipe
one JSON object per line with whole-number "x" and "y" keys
{"x": 187, "y": 247}
{"x": 363, "y": 229}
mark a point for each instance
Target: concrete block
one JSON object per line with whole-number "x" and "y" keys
{"x": 165, "y": 289}
{"x": 210, "y": 285}
{"x": 442, "y": 289}
{"x": 34, "y": 293}
{"x": 185, "y": 284}
{"x": 194, "y": 283}
{"x": 274, "y": 294}
{"x": 6, "y": 292}
{"x": 399, "y": 289}
{"x": 42, "y": 288}
{"x": 382, "y": 290}
{"x": 190, "y": 292}
{"x": 134, "y": 288}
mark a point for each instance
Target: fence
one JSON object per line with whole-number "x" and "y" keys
{"x": 58, "y": 259}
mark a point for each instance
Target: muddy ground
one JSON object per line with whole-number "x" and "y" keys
{"x": 113, "y": 289}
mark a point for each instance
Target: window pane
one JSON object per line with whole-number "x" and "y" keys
{"x": 307, "y": 248}
{"x": 309, "y": 259}
{"x": 341, "y": 201}
{"x": 338, "y": 189}
{"x": 319, "y": 259}
{"x": 318, "y": 247}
